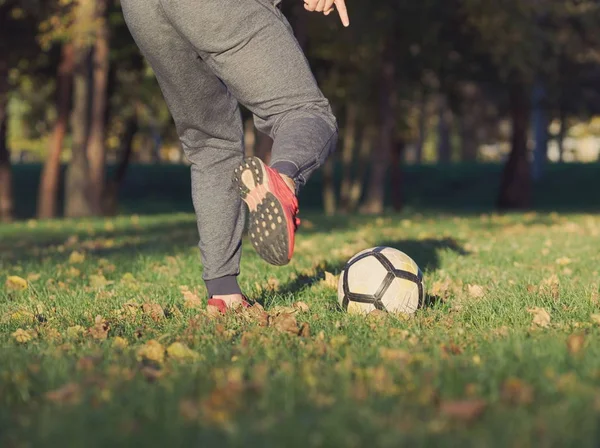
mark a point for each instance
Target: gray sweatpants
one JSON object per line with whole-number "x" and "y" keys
{"x": 208, "y": 55}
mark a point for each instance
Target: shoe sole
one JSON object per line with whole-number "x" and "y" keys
{"x": 268, "y": 228}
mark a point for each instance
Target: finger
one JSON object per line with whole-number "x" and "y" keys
{"x": 343, "y": 12}
{"x": 320, "y": 6}
{"x": 329, "y": 11}
{"x": 310, "y": 5}
{"x": 328, "y": 7}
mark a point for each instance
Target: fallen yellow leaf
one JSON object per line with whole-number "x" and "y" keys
{"x": 16, "y": 283}
{"x": 575, "y": 343}
{"x": 181, "y": 352}
{"x": 286, "y": 323}
{"x": 100, "y": 329}
{"x": 541, "y": 317}
{"x": 476, "y": 291}
{"x": 76, "y": 257}
{"x": 120, "y": 343}
{"x": 151, "y": 351}
{"x": 154, "y": 310}
{"x": 22, "y": 336}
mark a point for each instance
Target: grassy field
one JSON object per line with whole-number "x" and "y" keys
{"x": 105, "y": 339}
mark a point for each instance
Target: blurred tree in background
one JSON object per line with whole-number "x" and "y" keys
{"x": 411, "y": 82}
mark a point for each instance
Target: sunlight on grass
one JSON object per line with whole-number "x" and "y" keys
{"x": 104, "y": 323}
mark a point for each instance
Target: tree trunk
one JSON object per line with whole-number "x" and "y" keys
{"x": 469, "y": 122}
{"x": 397, "y": 175}
{"x": 97, "y": 140}
{"x": 366, "y": 147}
{"x": 562, "y": 133}
{"x": 444, "y": 123}
{"x": 111, "y": 192}
{"x": 515, "y": 190}
{"x": 423, "y": 120}
{"x": 375, "y": 201}
{"x": 329, "y": 200}
{"x": 50, "y": 179}
{"x": 6, "y": 187}
{"x": 540, "y": 131}
{"x": 77, "y": 200}
{"x": 348, "y": 155}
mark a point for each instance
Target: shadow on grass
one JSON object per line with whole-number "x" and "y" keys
{"x": 426, "y": 254}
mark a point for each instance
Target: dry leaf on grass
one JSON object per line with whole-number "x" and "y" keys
{"x": 151, "y": 351}
{"x": 154, "y": 310}
{"x": 304, "y": 330}
{"x": 23, "y": 336}
{"x": 595, "y": 318}
{"x": 256, "y": 314}
{"x": 98, "y": 281}
{"x": 191, "y": 300}
{"x": 76, "y": 257}
{"x": 182, "y": 352}
{"x": 575, "y": 343}
{"x": 286, "y": 323}
{"x": 213, "y": 312}
{"x": 301, "y": 306}
{"x": 120, "y": 343}
{"x": 377, "y": 316}
{"x": 476, "y": 291}
{"x": 75, "y": 331}
{"x": 516, "y": 391}
{"x": 100, "y": 329}
{"x": 68, "y": 394}
{"x": 465, "y": 410}
{"x": 33, "y": 277}
{"x": 541, "y": 317}
{"x": 16, "y": 283}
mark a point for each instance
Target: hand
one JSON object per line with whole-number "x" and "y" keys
{"x": 327, "y": 7}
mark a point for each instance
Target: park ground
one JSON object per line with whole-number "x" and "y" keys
{"x": 105, "y": 338}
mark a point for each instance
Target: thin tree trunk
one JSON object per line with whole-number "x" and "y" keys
{"x": 111, "y": 192}
{"x": 6, "y": 187}
{"x": 50, "y": 179}
{"x": 375, "y": 201}
{"x": 348, "y": 154}
{"x": 423, "y": 120}
{"x": 77, "y": 201}
{"x": 97, "y": 140}
{"x": 366, "y": 147}
{"x": 515, "y": 190}
{"x": 468, "y": 122}
{"x": 562, "y": 133}
{"x": 329, "y": 200}
{"x": 397, "y": 175}
{"x": 444, "y": 143}
{"x": 540, "y": 131}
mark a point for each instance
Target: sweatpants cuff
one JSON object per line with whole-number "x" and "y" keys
{"x": 288, "y": 169}
{"x": 223, "y": 286}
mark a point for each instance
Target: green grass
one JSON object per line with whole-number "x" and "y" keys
{"x": 254, "y": 386}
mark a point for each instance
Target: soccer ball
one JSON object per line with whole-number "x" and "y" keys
{"x": 383, "y": 279}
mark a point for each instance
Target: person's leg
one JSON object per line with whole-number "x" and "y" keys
{"x": 209, "y": 125}
{"x": 251, "y": 47}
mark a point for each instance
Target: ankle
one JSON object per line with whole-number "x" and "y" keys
{"x": 230, "y": 300}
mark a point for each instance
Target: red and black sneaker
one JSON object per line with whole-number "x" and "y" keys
{"x": 273, "y": 209}
{"x": 222, "y": 306}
